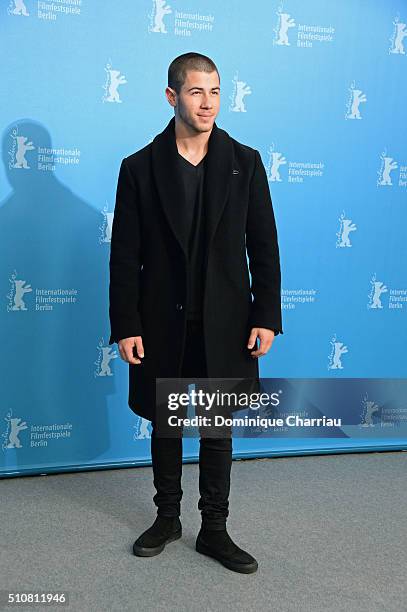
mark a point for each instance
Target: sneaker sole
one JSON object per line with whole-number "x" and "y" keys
{"x": 247, "y": 568}
{"x": 143, "y": 551}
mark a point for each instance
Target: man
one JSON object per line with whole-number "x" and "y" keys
{"x": 188, "y": 205}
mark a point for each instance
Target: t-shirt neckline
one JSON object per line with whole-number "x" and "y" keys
{"x": 190, "y": 163}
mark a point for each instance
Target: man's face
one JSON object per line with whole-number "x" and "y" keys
{"x": 199, "y": 100}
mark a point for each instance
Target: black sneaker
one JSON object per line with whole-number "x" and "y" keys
{"x": 153, "y": 540}
{"x": 220, "y": 546}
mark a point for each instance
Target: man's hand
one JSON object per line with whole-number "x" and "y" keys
{"x": 266, "y": 337}
{"x": 126, "y": 346}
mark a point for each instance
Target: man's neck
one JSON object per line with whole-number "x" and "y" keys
{"x": 191, "y": 144}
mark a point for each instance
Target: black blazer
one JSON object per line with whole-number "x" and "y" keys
{"x": 148, "y": 281}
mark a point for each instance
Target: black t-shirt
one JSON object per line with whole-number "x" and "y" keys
{"x": 193, "y": 179}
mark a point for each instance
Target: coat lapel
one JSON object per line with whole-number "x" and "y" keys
{"x": 218, "y": 173}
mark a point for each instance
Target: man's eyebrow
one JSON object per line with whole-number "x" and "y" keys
{"x": 201, "y": 88}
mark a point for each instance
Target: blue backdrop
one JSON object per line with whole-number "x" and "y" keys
{"x": 318, "y": 88}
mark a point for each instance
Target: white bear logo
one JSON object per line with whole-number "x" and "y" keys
{"x": 400, "y": 35}
{"x": 20, "y": 8}
{"x": 106, "y": 228}
{"x": 277, "y": 160}
{"x": 388, "y": 164}
{"x": 357, "y": 97}
{"x": 16, "y": 426}
{"x": 370, "y": 409}
{"x": 114, "y": 80}
{"x": 20, "y": 289}
{"x": 378, "y": 289}
{"x": 142, "y": 429}
{"x": 159, "y": 10}
{"x": 338, "y": 349}
{"x": 286, "y": 22}
{"x": 106, "y": 354}
{"x": 241, "y": 90}
{"x": 22, "y": 147}
{"x": 347, "y": 226}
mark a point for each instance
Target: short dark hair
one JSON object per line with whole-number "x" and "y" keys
{"x": 177, "y": 70}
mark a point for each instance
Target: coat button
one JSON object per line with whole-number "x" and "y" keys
{"x": 179, "y": 306}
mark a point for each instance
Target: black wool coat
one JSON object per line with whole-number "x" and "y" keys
{"x": 148, "y": 255}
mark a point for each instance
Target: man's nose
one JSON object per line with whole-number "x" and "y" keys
{"x": 206, "y": 102}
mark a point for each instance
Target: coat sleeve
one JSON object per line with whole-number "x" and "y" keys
{"x": 263, "y": 251}
{"x": 125, "y": 261}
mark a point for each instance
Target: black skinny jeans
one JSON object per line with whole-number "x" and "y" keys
{"x": 215, "y": 454}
